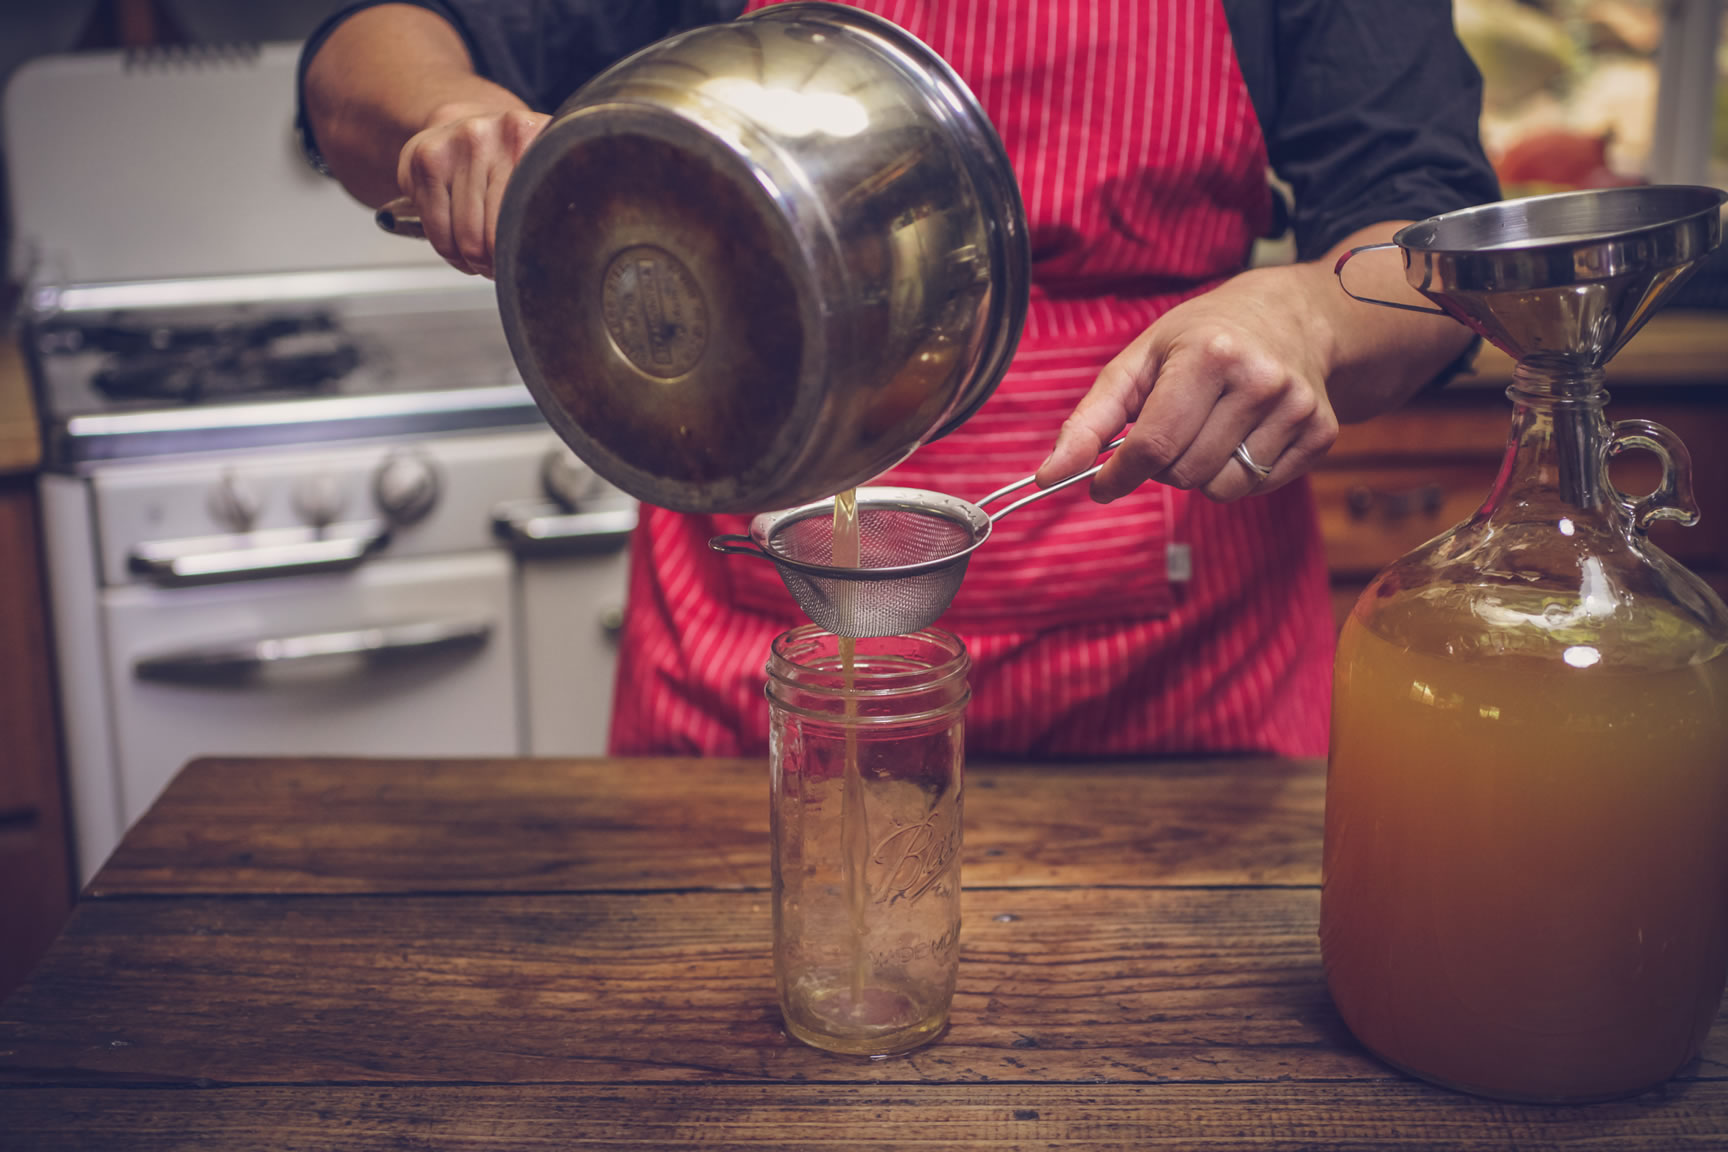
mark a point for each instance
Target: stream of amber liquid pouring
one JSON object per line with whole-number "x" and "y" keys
{"x": 855, "y": 832}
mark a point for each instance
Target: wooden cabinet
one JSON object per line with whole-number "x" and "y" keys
{"x": 1395, "y": 482}
{"x": 35, "y": 870}
{"x": 35, "y": 862}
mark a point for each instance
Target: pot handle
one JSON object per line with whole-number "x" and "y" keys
{"x": 743, "y": 545}
{"x": 400, "y": 217}
{"x": 1338, "y": 271}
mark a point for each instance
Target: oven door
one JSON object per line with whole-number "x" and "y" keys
{"x": 574, "y": 571}
{"x": 406, "y": 657}
{"x": 574, "y": 608}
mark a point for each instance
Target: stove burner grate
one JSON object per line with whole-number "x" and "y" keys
{"x": 225, "y": 359}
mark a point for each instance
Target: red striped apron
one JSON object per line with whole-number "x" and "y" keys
{"x": 1157, "y": 625}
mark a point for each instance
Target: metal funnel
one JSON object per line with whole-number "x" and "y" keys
{"x": 1568, "y": 277}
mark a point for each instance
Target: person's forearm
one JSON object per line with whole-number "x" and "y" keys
{"x": 1379, "y": 357}
{"x": 1265, "y": 366}
{"x": 385, "y": 74}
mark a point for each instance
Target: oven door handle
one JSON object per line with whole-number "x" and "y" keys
{"x": 344, "y": 652}
{"x": 290, "y": 552}
{"x": 532, "y": 529}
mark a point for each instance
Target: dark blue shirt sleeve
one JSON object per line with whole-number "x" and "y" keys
{"x": 542, "y": 50}
{"x": 1370, "y": 109}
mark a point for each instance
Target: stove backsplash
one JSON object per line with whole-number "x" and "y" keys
{"x": 128, "y": 166}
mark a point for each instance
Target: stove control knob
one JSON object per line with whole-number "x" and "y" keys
{"x": 406, "y": 486}
{"x": 235, "y": 504}
{"x": 319, "y": 500}
{"x": 567, "y": 480}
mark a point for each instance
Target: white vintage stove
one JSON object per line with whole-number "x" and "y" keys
{"x": 297, "y": 500}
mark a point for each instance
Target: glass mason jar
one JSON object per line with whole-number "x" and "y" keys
{"x": 1526, "y": 846}
{"x": 867, "y": 742}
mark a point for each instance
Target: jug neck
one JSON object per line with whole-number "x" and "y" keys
{"x": 1539, "y": 379}
{"x": 1555, "y": 451}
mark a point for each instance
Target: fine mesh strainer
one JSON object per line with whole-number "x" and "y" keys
{"x": 913, "y": 548}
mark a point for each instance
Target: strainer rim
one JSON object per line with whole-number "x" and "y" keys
{"x": 922, "y": 500}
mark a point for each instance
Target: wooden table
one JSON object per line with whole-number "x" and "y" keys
{"x": 559, "y": 954}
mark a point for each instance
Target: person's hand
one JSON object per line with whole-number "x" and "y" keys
{"x": 1245, "y": 364}
{"x": 455, "y": 172}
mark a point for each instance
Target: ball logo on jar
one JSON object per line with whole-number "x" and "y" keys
{"x": 913, "y": 858}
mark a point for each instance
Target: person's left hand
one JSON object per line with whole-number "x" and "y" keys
{"x": 455, "y": 170}
{"x": 1246, "y": 364}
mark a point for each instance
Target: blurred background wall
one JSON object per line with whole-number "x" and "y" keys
{"x": 30, "y": 28}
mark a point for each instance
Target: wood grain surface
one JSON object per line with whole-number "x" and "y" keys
{"x": 576, "y": 954}
{"x": 333, "y": 826}
{"x": 894, "y": 1117}
{"x": 1083, "y": 984}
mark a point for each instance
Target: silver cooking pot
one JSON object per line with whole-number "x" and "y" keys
{"x": 761, "y": 262}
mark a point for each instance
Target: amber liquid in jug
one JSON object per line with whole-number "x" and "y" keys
{"x": 1526, "y": 850}
{"x": 1525, "y": 871}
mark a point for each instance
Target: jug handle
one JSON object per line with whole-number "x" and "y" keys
{"x": 1338, "y": 271}
{"x": 1672, "y": 498}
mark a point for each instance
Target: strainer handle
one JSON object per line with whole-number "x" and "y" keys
{"x": 743, "y": 545}
{"x": 1056, "y": 487}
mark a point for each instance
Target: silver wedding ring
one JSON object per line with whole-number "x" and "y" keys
{"x": 1260, "y": 473}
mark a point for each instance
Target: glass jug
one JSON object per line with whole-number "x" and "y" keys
{"x": 1525, "y": 885}
{"x": 1526, "y": 850}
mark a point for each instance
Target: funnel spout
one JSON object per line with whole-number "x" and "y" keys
{"x": 1572, "y": 396}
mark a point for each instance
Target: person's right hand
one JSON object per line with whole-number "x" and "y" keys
{"x": 455, "y": 172}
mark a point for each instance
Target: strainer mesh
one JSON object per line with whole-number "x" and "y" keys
{"x": 889, "y": 536}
